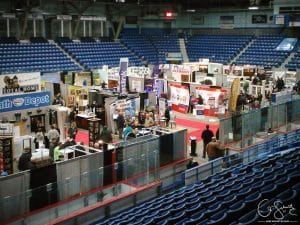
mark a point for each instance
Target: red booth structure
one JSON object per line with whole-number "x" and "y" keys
{"x": 179, "y": 96}
{"x": 214, "y": 101}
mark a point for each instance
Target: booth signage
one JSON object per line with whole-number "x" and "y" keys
{"x": 24, "y": 101}
{"x": 123, "y": 74}
{"x": 20, "y": 83}
{"x": 180, "y": 96}
{"x": 135, "y": 71}
{"x": 173, "y": 56}
{"x": 212, "y": 97}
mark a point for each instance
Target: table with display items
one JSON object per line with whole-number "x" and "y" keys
{"x": 82, "y": 120}
{"x": 41, "y": 156}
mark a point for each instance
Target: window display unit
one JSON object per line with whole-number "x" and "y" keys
{"x": 6, "y": 154}
{"x": 94, "y": 130}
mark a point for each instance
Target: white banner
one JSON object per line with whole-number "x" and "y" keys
{"x": 135, "y": 71}
{"x": 20, "y": 83}
{"x": 211, "y": 96}
{"x": 179, "y": 94}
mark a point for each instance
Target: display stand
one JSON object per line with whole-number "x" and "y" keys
{"x": 6, "y": 154}
{"x": 94, "y": 130}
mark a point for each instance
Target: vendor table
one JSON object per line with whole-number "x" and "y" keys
{"x": 82, "y": 120}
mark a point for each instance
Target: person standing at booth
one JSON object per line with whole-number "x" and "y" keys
{"x": 167, "y": 116}
{"x": 120, "y": 124}
{"x": 25, "y": 160}
{"x": 206, "y": 137}
{"x": 72, "y": 130}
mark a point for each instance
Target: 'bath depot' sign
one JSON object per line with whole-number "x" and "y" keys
{"x": 24, "y": 101}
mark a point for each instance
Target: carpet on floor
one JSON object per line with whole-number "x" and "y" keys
{"x": 83, "y": 136}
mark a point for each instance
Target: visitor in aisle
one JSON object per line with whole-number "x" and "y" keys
{"x": 167, "y": 116}
{"x": 120, "y": 124}
{"x": 214, "y": 149}
{"x": 148, "y": 120}
{"x": 72, "y": 131}
{"x": 25, "y": 160}
{"x": 106, "y": 135}
{"x": 39, "y": 138}
{"x": 206, "y": 137}
{"x": 128, "y": 132}
{"x": 57, "y": 154}
{"x": 191, "y": 104}
{"x": 53, "y": 133}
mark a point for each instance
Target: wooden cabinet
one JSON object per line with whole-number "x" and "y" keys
{"x": 94, "y": 130}
{"x": 6, "y": 154}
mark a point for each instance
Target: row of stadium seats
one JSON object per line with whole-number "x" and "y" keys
{"x": 102, "y": 53}
{"x": 151, "y": 44}
{"x": 219, "y": 49}
{"x": 294, "y": 64}
{"x": 227, "y": 197}
{"x": 262, "y": 52}
{"x": 27, "y": 57}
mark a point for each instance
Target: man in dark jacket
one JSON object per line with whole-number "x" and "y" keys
{"x": 120, "y": 124}
{"x": 25, "y": 161}
{"x": 206, "y": 137}
{"x": 106, "y": 135}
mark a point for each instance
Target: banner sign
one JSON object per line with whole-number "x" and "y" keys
{"x": 180, "y": 96}
{"x": 173, "y": 56}
{"x": 135, "y": 71}
{"x": 162, "y": 106}
{"x": 234, "y": 93}
{"x": 123, "y": 74}
{"x": 20, "y": 83}
{"x": 214, "y": 97}
{"x": 233, "y": 70}
{"x": 24, "y": 101}
{"x": 126, "y": 105}
{"x": 281, "y": 97}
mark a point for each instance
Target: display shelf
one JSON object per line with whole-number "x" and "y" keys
{"x": 6, "y": 154}
{"x": 94, "y": 130}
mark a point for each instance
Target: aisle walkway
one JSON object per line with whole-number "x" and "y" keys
{"x": 194, "y": 126}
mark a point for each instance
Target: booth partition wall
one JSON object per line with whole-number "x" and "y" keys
{"x": 243, "y": 129}
{"x": 81, "y": 181}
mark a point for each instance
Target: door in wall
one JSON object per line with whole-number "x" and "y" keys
{"x": 37, "y": 121}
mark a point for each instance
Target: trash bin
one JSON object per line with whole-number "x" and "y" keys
{"x": 193, "y": 140}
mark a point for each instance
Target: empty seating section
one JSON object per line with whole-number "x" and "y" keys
{"x": 294, "y": 63}
{"x": 164, "y": 44}
{"x": 9, "y": 40}
{"x": 38, "y": 40}
{"x": 96, "y": 54}
{"x": 219, "y": 49}
{"x": 87, "y": 39}
{"x": 28, "y": 57}
{"x": 141, "y": 45}
{"x": 262, "y": 52}
{"x": 230, "y": 196}
{"x": 151, "y": 44}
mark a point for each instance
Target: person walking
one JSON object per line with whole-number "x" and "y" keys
{"x": 206, "y": 137}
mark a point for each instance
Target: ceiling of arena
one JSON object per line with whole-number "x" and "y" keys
{"x": 186, "y": 4}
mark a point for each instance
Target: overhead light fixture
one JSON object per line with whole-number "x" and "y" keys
{"x": 191, "y": 10}
{"x": 253, "y": 8}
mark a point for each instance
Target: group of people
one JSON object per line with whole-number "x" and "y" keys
{"x": 49, "y": 140}
{"x": 211, "y": 145}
